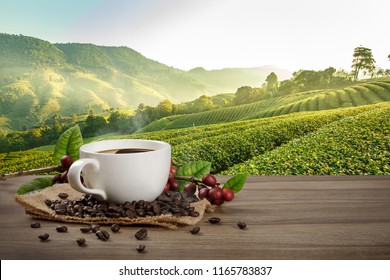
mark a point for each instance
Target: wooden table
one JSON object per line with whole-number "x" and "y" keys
{"x": 304, "y": 218}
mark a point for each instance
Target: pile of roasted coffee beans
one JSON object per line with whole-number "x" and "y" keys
{"x": 170, "y": 202}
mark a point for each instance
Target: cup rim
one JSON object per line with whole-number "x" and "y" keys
{"x": 87, "y": 148}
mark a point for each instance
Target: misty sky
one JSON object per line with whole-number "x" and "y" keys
{"x": 214, "y": 34}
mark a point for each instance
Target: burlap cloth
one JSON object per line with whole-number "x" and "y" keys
{"x": 34, "y": 204}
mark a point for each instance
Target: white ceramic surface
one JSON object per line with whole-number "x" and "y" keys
{"x": 122, "y": 177}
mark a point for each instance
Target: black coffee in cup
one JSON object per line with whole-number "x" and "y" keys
{"x": 125, "y": 151}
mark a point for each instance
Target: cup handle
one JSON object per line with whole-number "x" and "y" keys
{"x": 74, "y": 177}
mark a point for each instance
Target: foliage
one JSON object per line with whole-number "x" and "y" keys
{"x": 362, "y": 60}
{"x": 354, "y": 145}
{"x": 69, "y": 144}
{"x": 28, "y": 51}
{"x": 35, "y": 184}
{"x": 355, "y": 95}
{"x": 39, "y": 79}
{"x": 196, "y": 169}
{"x": 16, "y": 161}
{"x": 272, "y": 83}
{"x": 342, "y": 141}
{"x": 236, "y": 183}
{"x": 305, "y": 80}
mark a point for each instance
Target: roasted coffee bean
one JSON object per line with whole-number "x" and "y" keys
{"x": 62, "y": 229}
{"x": 115, "y": 228}
{"x": 70, "y": 210}
{"x": 63, "y": 195}
{"x": 61, "y": 211}
{"x": 130, "y": 214}
{"x": 241, "y": 225}
{"x": 95, "y": 228}
{"x": 80, "y": 241}
{"x": 113, "y": 215}
{"x": 48, "y": 202}
{"x": 103, "y": 234}
{"x": 141, "y": 248}
{"x": 140, "y": 203}
{"x": 44, "y": 236}
{"x": 102, "y": 207}
{"x": 85, "y": 229}
{"x": 194, "y": 214}
{"x": 157, "y": 209}
{"x": 214, "y": 220}
{"x": 148, "y": 207}
{"x": 149, "y": 213}
{"x": 35, "y": 225}
{"x": 194, "y": 229}
{"x": 140, "y": 212}
{"x": 141, "y": 234}
{"x": 127, "y": 205}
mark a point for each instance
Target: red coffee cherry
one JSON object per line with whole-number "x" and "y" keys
{"x": 209, "y": 180}
{"x": 66, "y": 161}
{"x": 190, "y": 188}
{"x": 227, "y": 194}
{"x": 215, "y": 193}
{"x": 203, "y": 193}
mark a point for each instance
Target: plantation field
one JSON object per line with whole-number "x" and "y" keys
{"x": 355, "y": 145}
{"x": 370, "y": 92}
{"x": 344, "y": 141}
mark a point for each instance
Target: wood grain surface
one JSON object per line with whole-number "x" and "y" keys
{"x": 303, "y": 218}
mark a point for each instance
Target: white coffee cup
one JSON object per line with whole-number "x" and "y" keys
{"x": 125, "y": 176}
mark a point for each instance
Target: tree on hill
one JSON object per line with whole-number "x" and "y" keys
{"x": 163, "y": 109}
{"x": 272, "y": 83}
{"x": 94, "y": 125}
{"x": 247, "y": 94}
{"x": 362, "y": 60}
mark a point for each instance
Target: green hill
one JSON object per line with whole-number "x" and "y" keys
{"x": 369, "y": 92}
{"x": 354, "y": 145}
{"x": 344, "y": 141}
{"x": 39, "y": 79}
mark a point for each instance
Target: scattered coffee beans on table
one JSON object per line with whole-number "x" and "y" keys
{"x": 141, "y": 234}
{"x": 95, "y": 228}
{"x": 62, "y": 229}
{"x": 35, "y": 225}
{"x": 85, "y": 229}
{"x": 195, "y": 229}
{"x": 241, "y": 225}
{"x": 103, "y": 234}
{"x": 141, "y": 248}
{"x": 115, "y": 227}
{"x": 80, "y": 241}
{"x": 214, "y": 220}
{"x": 44, "y": 237}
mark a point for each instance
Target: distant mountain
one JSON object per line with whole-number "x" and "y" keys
{"x": 39, "y": 79}
{"x": 224, "y": 80}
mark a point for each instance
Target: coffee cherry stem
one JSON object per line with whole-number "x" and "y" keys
{"x": 31, "y": 172}
{"x": 191, "y": 179}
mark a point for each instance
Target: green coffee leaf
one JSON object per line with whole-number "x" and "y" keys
{"x": 236, "y": 183}
{"x": 35, "y": 184}
{"x": 196, "y": 169}
{"x": 68, "y": 143}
